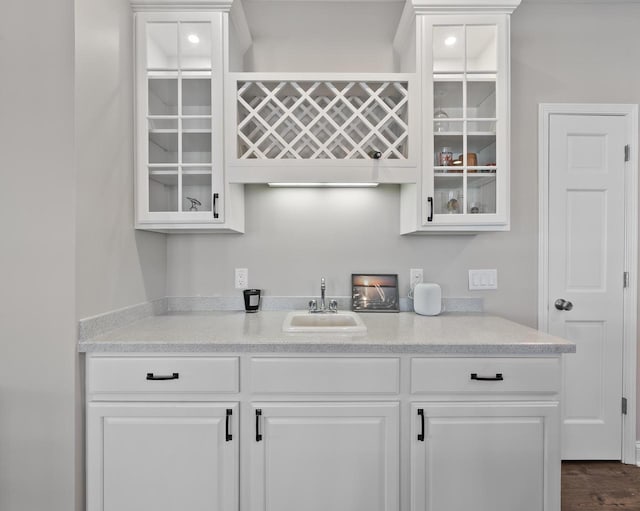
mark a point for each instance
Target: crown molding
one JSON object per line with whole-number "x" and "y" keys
{"x": 178, "y": 5}
{"x": 464, "y": 6}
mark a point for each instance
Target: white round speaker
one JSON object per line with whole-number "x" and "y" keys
{"x": 427, "y": 299}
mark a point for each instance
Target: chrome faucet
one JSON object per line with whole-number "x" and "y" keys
{"x": 313, "y": 304}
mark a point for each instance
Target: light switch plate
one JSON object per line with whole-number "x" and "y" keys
{"x": 483, "y": 279}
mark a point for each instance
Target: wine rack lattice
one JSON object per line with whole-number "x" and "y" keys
{"x": 309, "y": 120}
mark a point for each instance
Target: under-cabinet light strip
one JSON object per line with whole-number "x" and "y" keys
{"x": 323, "y": 185}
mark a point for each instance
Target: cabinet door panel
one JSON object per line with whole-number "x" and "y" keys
{"x": 162, "y": 457}
{"x": 486, "y": 457}
{"x": 342, "y": 457}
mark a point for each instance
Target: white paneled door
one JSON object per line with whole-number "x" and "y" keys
{"x": 586, "y": 215}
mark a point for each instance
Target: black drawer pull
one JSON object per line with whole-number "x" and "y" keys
{"x": 497, "y": 377}
{"x": 258, "y": 435}
{"x": 421, "y": 434}
{"x": 228, "y": 436}
{"x": 174, "y": 376}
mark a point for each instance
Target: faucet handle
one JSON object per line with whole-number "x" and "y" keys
{"x": 333, "y": 305}
{"x": 313, "y": 306}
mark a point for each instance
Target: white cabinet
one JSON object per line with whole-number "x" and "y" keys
{"x": 162, "y": 433}
{"x": 285, "y": 432}
{"x": 319, "y": 456}
{"x": 485, "y": 434}
{"x": 301, "y": 110}
{"x": 180, "y": 169}
{"x": 464, "y": 67}
{"x": 162, "y": 456}
{"x": 496, "y": 456}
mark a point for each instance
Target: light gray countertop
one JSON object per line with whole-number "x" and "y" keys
{"x": 404, "y": 332}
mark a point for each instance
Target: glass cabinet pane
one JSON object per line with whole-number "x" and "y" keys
{"x": 196, "y": 96}
{"x": 482, "y": 43}
{"x": 163, "y": 189}
{"x": 163, "y": 147}
{"x": 162, "y": 45}
{"x": 448, "y": 49}
{"x": 481, "y": 194}
{"x": 481, "y": 100}
{"x": 163, "y": 96}
{"x": 196, "y": 147}
{"x": 196, "y": 189}
{"x": 447, "y": 148}
{"x": 484, "y": 147}
{"x": 195, "y": 45}
{"x": 447, "y": 102}
{"x": 448, "y": 195}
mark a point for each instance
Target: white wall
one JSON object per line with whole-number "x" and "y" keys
{"x": 38, "y": 455}
{"x": 293, "y": 237}
{"x": 116, "y": 265}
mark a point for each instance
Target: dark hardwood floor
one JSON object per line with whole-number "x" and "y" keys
{"x": 599, "y": 486}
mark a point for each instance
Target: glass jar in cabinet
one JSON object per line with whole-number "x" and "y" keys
{"x": 179, "y": 157}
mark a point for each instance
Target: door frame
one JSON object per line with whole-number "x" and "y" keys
{"x": 630, "y": 293}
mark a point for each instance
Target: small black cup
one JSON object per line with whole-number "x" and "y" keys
{"x": 251, "y": 300}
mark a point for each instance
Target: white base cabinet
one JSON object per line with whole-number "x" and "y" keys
{"x": 316, "y": 432}
{"x": 162, "y": 456}
{"x": 320, "y": 456}
{"x": 493, "y": 456}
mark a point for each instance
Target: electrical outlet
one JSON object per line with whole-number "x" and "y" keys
{"x": 242, "y": 278}
{"x": 415, "y": 277}
{"x": 483, "y": 279}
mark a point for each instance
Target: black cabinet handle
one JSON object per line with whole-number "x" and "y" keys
{"x": 214, "y": 206}
{"x": 497, "y": 377}
{"x": 174, "y": 376}
{"x": 228, "y": 435}
{"x": 421, "y": 434}
{"x": 430, "y": 201}
{"x": 258, "y": 435}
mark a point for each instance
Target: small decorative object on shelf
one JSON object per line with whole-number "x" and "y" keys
{"x": 440, "y": 125}
{"x": 194, "y": 203}
{"x": 453, "y": 206}
{"x": 445, "y": 157}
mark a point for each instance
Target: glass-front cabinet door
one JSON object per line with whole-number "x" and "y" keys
{"x": 466, "y": 122}
{"x": 179, "y": 118}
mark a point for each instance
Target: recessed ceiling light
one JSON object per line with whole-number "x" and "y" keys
{"x": 193, "y": 38}
{"x": 451, "y": 40}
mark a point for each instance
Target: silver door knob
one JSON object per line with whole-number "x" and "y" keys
{"x": 563, "y": 305}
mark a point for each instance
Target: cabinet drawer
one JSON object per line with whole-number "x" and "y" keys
{"x": 325, "y": 375}
{"x": 492, "y": 375}
{"x": 162, "y": 375}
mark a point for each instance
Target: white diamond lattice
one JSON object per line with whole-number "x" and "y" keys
{"x": 311, "y": 120}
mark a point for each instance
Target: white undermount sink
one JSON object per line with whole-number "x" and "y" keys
{"x": 346, "y": 322}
